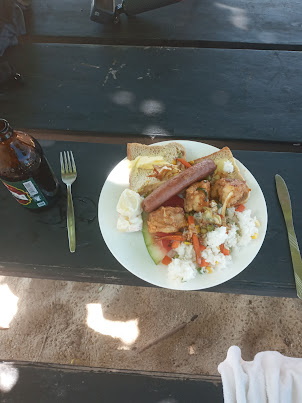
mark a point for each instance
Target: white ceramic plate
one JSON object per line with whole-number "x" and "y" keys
{"x": 130, "y": 250}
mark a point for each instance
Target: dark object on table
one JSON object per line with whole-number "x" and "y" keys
{"x": 106, "y": 11}
{"x": 9, "y": 74}
{"x": 24, "y": 4}
{"x": 24, "y": 170}
{"x": 11, "y": 24}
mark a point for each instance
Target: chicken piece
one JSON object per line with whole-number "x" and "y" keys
{"x": 223, "y": 187}
{"x": 197, "y": 196}
{"x": 166, "y": 219}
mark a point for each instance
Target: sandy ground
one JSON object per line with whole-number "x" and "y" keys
{"x": 108, "y": 326}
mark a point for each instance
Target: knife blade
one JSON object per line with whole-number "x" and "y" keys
{"x": 286, "y": 206}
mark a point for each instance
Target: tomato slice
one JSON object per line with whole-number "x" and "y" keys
{"x": 174, "y": 201}
{"x": 166, "y": 243}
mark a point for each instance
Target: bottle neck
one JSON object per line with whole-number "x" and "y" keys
{"x": 6, "y": 131}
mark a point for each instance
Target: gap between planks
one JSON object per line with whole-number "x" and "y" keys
{"x": 174, "y": 43}
{"x": 95, "y": 137}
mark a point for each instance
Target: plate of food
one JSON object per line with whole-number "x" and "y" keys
{"x": 182, "y": 214}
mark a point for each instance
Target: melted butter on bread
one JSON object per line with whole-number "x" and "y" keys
{"x": 139, "y": 179}
{"x": 147, "y": 162}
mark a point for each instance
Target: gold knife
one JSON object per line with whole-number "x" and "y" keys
{"x": 285, "y": 203}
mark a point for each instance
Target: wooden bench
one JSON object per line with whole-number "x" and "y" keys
{"x": 49, "y": 383}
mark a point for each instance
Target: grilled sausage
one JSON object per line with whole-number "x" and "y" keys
{"x": 178, "y": 183}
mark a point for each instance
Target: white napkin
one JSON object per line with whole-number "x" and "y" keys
{"x": 269, "y": 378}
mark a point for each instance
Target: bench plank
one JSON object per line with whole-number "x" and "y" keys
{"x": 186, "y": 93}
{"x": 238, "y": 21}
{"x": 36, "y": 244}
{"x": 49, "y": 383}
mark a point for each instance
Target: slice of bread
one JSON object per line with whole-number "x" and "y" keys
{"x": 139, "y": 178}
{"x": 220, "y": 157}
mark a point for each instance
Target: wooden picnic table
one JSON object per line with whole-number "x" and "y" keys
{"x": 223, "y": 73}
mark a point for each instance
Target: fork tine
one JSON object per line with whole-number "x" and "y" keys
{"x": 74, "y": 169}
{"x": 62, "y": 163}
{"x": 69, "y": 162}
{"x": 65, "y": 162}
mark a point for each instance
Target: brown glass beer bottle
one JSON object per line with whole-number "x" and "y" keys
{"x": 24, "y": 169}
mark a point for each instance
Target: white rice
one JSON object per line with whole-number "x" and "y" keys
{"x": 241, "y": 229}
{"x": 232, "y": 237}
{"x": 215, "y": 238}
{"x": 215, "y": 258}
{"x": 181, "y": 270}
{"x": 186, "y": 252}
{"x": 247, "y": 227}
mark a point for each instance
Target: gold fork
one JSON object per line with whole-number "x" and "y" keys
{"x": 69, "y": 175}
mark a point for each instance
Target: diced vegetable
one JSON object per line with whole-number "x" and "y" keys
{"x": 196, "y": 248}
{"x": 191, "y": 220}
{"x": 224, "y": 250}
{"x": 202, "y": 248}
{"x": 166, "y": 260}
{"x": 204, "y": 263}
{"x": 240, "y": 208}
{"x": 175, "y": 244}
{"x": 195, "y": 241}
{"x": 184, "y": 162}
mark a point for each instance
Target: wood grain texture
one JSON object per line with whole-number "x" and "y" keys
{"x": 35, "y": 245}
{"x": 50, "y": 383}
{"x": 158, "y": 92}
{"x": 237, "y": 21}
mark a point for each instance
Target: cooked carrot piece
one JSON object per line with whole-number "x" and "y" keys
{"x": 204, "y": 263}
{"x": 202, "y": 248}
{"x": 184, "y": 162}
{"x": 196, "y": 248}
{"x": 224, "y": 250}
{"x": 175, "y": 244}
{"x": 191, "y": 220}
{"x": 166, "y": 260}
{"x": 240, "y": 208}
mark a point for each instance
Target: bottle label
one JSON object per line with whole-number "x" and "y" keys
{"x": 27, "y": 193}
